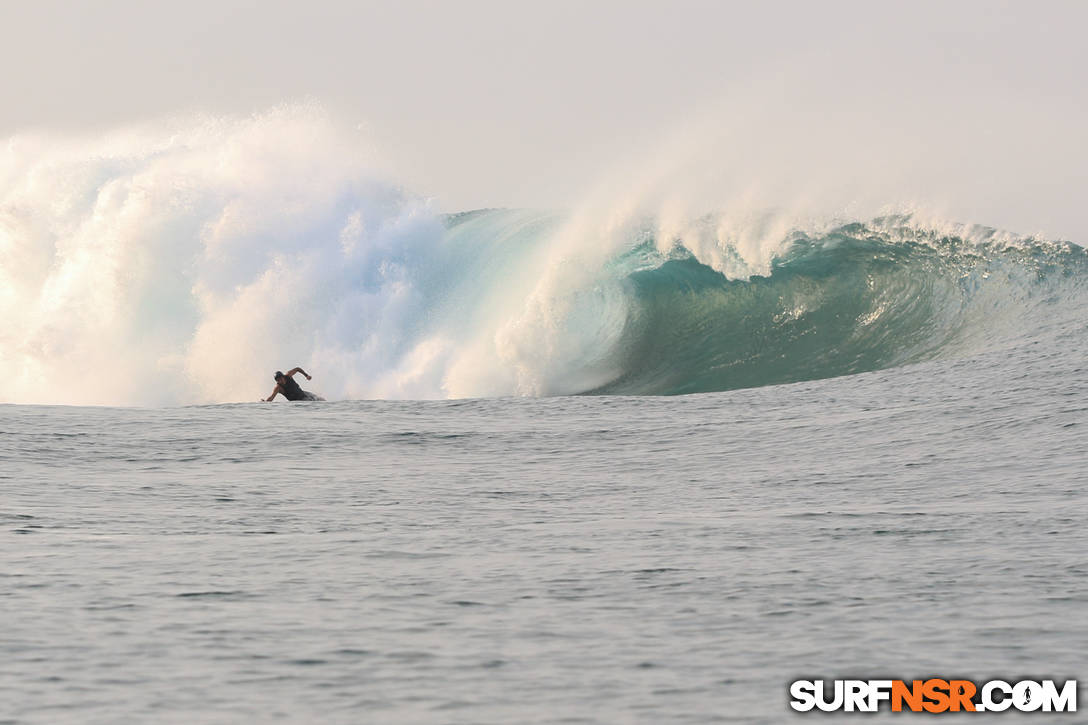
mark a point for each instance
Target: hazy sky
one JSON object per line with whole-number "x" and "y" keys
{"x": 977, "y": 108}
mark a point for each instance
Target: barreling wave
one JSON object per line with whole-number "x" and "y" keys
{"x": 184, "y": 264}
{"x": 859, "y": 297}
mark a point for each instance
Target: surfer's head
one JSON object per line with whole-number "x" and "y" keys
{"x": 278, "y": 376}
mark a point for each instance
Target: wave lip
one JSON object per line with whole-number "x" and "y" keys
{"x": 860, "y": 297}
{"x": 182, "y": 264}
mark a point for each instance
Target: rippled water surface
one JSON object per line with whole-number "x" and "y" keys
{"x": 555, "y": 560}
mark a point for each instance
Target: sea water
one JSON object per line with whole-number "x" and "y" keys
{"x": 600, "y": 466}
{"x": 571, "y": 559}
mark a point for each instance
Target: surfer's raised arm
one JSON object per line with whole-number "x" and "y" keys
{"x": 288, "y": 388}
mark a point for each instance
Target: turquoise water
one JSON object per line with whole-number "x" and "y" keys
{"x": 617, "y": 464}
{"x": 569, "y": 559}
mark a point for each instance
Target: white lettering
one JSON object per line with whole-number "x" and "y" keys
{"x": 989, "y": 704}
{"x": 879, "y": 690}
{"x": 1027, "y": 696}
{"x": 1064, "y": 701}
{"x": 803, "y": 693}
{"x": 821, "y": 696}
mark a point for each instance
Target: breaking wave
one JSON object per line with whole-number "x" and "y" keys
{"x": 859, "y": 297}
{"x": 184, "y": 265}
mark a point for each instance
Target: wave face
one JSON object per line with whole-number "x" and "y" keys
{"x": 669, "y": 313}
{"x": 859, "y": 297}
{"x": 183, "y": 264}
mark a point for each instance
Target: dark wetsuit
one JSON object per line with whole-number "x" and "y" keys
{"x": 292, "y": 391}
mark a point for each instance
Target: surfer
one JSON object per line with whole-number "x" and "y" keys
{"x": 288, "y": 388}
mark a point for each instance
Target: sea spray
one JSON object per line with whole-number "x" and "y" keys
{"x": 184, "y": 262}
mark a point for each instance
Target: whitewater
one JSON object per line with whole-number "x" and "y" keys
{"x": 638, "y": 460}
{"x": 183, "y": 266}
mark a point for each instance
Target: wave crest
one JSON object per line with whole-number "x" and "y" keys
{"x": 858, "y": 297}
{"x": 183, "y": 264}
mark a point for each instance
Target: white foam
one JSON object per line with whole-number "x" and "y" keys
{"x": 184, "y": 262}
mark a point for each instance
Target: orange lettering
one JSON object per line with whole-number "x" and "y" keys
{"x": 936, "y": 691}
{"x": 912, "y": 695}
{"x": 961, "y": 692}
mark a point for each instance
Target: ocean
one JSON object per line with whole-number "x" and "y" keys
{"x": 569, "y": 559}
{"x": 574, "y": 467}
